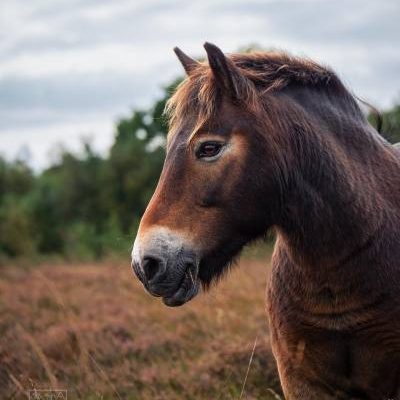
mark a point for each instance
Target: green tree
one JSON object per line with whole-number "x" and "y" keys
{"x": 391, "y": 124}
{"x": 135, "y": 162}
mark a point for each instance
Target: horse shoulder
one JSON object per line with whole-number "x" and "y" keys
{"x": 304, "y": 343}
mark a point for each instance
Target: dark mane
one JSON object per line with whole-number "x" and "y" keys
{"x": 273, "y": 71}
{"x": 261, "y": 73}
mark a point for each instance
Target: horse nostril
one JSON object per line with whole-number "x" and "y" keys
{"x": 151, "y": 266}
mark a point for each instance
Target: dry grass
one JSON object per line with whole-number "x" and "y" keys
{"x": 91, "y": 329}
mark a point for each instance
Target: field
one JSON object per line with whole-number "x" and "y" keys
{"x": 91, "y": 329}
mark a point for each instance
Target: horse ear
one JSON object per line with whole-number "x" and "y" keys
{"x": 224, "y": 71}
{"x": 188, "y": 63}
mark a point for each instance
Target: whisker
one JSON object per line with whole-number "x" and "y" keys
{"x": 191, "y": 276}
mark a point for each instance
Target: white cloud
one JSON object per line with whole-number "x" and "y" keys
{"x": 112, "y": 58}
{"x": 44, "y": 142}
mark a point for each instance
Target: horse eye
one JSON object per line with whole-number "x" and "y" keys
{"x": 208, "y": 149}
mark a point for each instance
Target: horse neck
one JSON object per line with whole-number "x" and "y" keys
{"x": 335, "y": 202}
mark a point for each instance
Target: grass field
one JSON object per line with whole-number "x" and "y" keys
{"x": 91, "y": 329}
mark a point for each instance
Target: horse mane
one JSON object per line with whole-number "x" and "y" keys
{"x": 273, "y": 71}
{"x": 260, "y": 73}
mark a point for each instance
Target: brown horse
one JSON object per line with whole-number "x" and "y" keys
{"x": 267, "y": 140}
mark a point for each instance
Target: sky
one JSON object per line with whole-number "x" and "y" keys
{"x": 69, "y": 69}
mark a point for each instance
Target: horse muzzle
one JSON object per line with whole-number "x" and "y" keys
{"x": 166, "y": 266}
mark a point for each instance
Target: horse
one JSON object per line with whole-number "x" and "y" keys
{"x": 263, "y": 141}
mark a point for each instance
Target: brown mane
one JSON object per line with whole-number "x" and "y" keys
{"x": 262, "y": 73}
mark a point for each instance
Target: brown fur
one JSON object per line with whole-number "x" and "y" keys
{"x": 306, "y": 162}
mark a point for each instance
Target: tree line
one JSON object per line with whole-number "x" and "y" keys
{"x": 89, "y": 206}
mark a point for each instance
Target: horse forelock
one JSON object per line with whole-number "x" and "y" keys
{"x": 198, "y": 96}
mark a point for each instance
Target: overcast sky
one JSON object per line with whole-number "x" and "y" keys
{"x": 70, "y": 68}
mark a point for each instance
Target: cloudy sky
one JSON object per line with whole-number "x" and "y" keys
{"x": 70, "y": 68}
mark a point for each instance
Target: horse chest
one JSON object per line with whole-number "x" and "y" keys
{"x": 324, "y": 364}
{"x": 304, "y": 339}
{"x": 338, "y": 340}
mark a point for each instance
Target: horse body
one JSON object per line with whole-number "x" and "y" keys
{"x": 266, "y": 141}
{"x": 333, "y": 339}
{"x": 333, "y": 298}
